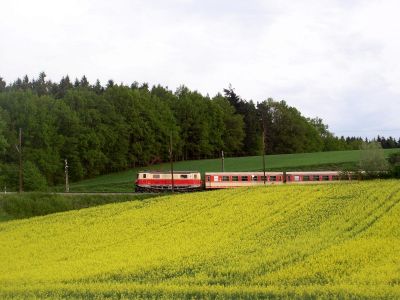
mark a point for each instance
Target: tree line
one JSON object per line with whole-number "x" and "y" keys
{"x": 103, "y": 129}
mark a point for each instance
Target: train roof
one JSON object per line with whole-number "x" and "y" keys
{"x": 312, "y": 172}
{"x": 167, "y": 172}
{"x": 272, "y": 173}
{"x": 242, "y": 173}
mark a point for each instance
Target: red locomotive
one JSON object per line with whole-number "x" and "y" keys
{"x": 158, "y": 181}
{"x": 185, "y": 181}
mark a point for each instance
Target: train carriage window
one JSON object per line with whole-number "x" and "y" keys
{"x": 156, "y": 176}
{"x": 255, "y": 178}
{"x": 325, "y": 177}
{"x": 244, "y": 178}
{"x": 235, "y": 178}
{"x": 144, "y": 175}
{"x": 296, "y": 178}
{"x": 288, "y": 178}
{"x": 272, "y": 178}
{"x": 264, "y": 178}
{"x": 184, "y": 176}
{"x": 195, "y": 176}
{"x": 335, "y": 177}
{"x": 225, "y": 178}
{"x": 316, "y": 178}
{"x": 306, "y": 178}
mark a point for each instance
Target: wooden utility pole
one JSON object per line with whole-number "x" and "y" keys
{"x": 19, "y": 149}
{"x": 265, "y": 179}
{"x": 222, "y": 158}
{"x": 263, "y": 148}
{"x": 172, "y": 163}
{"x": 66, "y": 176}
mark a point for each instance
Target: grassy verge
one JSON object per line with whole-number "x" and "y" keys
{"x": 18, "y": 206}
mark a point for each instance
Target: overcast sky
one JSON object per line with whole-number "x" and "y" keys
{"x": 336, "y": 59}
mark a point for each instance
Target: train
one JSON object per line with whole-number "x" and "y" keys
{"x": 186, "y": 181}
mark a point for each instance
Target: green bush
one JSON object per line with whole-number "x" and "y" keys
{"x": 33, "y": 179}
{"x": 394, "y": 160}
{"x": 396, "y": 172}
{"x": 372, "y": 159}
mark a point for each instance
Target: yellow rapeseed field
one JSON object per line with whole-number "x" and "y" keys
{"x": 325, "y": 241}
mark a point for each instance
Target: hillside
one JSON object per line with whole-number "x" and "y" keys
{"x": 333, "y": 240}
{"x": 333, "y": 160}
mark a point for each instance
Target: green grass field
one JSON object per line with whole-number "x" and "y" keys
{"x": 292, "y": 241}
{"x": 335, "y": 160}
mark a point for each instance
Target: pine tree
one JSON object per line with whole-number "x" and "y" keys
{"x": 84, "y": 82}
{"x": 3, "y": 85}
{"x": 98, "y": 89}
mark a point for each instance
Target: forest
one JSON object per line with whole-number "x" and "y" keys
{"x": 102, "y": 129}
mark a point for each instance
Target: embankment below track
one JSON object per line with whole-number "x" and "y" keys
{"x": 26, "y": 205}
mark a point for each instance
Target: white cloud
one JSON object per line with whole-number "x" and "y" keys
{"x": 335, "y": 59}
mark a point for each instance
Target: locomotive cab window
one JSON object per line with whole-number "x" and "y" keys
{"x": 144, "y": 175}
{"x": 195, "y": 176}
{"x": 208, "y": 178}
{"x": 225, "y": 178}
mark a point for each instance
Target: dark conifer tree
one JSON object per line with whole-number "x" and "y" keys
{"x": 3, "y": 85}
{"x": 135, "y": 85}
{"x": 17, "y": 84}
{"x": 144, "y": 87}
{"x": 26, "y": 85}
{"x": 110, "y": 83}
{"x": 233, "y": 98}
{"x": 62, "y": 88}
{"x": 98, "y": 89}
{"x": 84, "y": 82}
{"x": 252, "y": 143}
{"x": 40, "y": 86}
{"x": 77, "y": 83}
